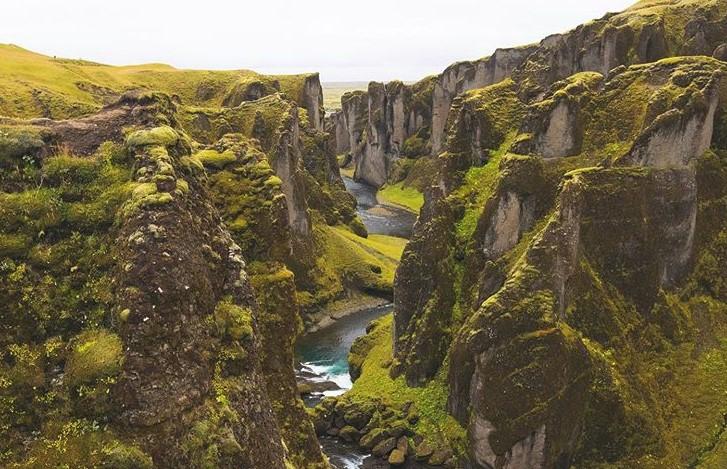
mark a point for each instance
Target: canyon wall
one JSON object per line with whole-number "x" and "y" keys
{"x": 592, "y": 222}
{"x": 641, "y": 34}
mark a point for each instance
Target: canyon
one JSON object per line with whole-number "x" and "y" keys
{"x": 525, "y": 255}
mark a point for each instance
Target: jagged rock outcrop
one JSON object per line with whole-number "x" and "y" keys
{"x": 336, "y": 127}
{"x": 540, "y": 269}
{"x": 162, "y": 343}
{"x": 311, "y": 98}
{"x": 674, "y": 137}
{"x": 465, "y": 76}
{"x": 382, "y": 124}
{"x": 555, "y": 125}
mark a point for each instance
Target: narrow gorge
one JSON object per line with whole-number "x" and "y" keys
{"x": 516, "y": 263}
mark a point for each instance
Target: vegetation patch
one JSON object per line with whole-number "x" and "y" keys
{"x": 94, "y": 354}
{"x": 398, "y": 194}
{"x": 233, "y": 321}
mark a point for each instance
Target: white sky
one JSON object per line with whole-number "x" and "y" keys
{"x": 342, "y": 39}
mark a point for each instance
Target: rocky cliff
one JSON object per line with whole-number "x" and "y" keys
{"x": 552, "y": 286}
{"x": 646, "y": 32}
{"x": 127, "y": 307}
{"x": 559, "y": 297}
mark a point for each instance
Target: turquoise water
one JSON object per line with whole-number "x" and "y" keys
{"x": 325, "y": 352}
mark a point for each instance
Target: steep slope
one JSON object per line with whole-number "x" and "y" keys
{"x": 571, "y": 281}
{"x": 131, "y": 335}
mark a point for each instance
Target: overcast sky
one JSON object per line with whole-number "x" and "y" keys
{"x": 342, "y": 39}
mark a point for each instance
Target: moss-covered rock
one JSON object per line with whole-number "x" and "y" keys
{"x": 94, "y": 354}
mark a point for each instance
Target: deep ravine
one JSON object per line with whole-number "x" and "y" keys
{"x": 324, "y": 353}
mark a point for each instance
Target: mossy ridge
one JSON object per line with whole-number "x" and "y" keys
{"x": 61, "y": 283}
{"x": 280, "y": 323}
{"x": 264, "y": 119}
{"x": 674, "y": 14}
{"x": 84, "y": 444}
{"x": 244, "y": 188}
{"x": 49, "y": 87}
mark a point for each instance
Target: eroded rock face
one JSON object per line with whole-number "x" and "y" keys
{"x": 681, "y": 134}
{"x": 554, "y": 126}
{"x": 379, "y": 132}
{"x": 312, "y": 100}
{"x": 519, "y": 324}
{"x": 167, "y": 378}
{"x": 355, "y": 115}
{"x": 465, "y": 76}
{"x": 637, "y": 35}
{"x": 339, "y": 133}
{"x": 559, "y": 262}
{"x": 423, "y": 291}
{"x": 288, "y": 164}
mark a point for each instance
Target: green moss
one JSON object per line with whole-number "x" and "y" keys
{"x": 82, "y": 444}
{"x": 143, "y": 196}
{"x": 19, "y": 142}
{"x": 14, "y": 245}
{"x": 94, "y": 354}
{"x": 233, "y": 321}
{"x": 248, "y": 195}
{"x": 120, "y": 456}
{"x": 70, "y": 169}
{"x": 375, "y": 385}
{"x": 415, "y": 145}
{"x": 210, "y": 442}
{"x": 215, "y": 159}
{"x": 32, "y": 211}
{"x": 164, "y": 136}
{"x": 293, "y": 85}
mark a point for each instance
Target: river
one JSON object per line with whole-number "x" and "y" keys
{"x": 325, "y": 352}
{"x": 379, "y": 218}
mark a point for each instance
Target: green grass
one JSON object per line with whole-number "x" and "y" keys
{"x": 348, "y": 252}
{"x": 61, "y": 88}
{"x": 431, "y": 401}
{"x": 398, "y": 194}
{"x": 388, "y": 246}
{"x": 345, "y": 261}
{"x": 478, "y": 186}
{"x": 347, "y": 171}
{"x": 694, "y": 402}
